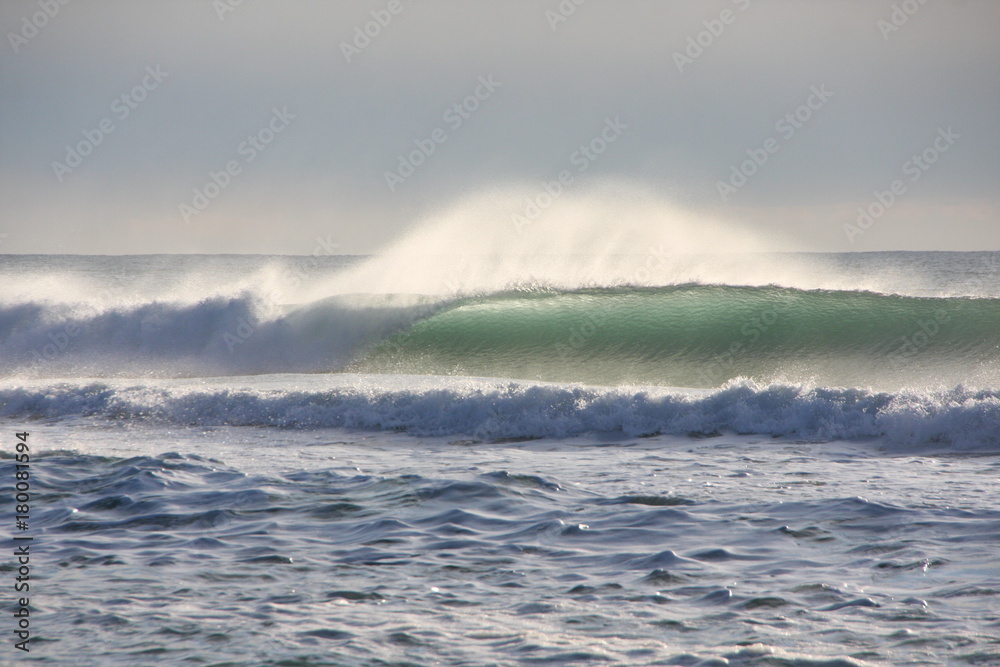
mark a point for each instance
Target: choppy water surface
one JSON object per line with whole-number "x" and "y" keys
{"x": 324, "y": 547}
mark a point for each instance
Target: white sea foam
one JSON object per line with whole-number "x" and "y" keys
{"x": 221, "y": 335}
{"x": 959, "y": 419}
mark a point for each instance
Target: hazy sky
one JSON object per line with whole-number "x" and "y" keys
{"x": 256, "y": 126}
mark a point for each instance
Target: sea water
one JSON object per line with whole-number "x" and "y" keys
{"x": 237, "y": 460}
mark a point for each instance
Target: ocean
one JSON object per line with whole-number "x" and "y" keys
{"x": 745, "y": 459}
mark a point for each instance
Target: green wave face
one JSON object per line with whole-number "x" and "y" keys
{"x": 701, "y": 336}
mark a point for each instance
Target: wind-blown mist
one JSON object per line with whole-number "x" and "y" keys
{"x": 610, "y": 235}
{"x": 607, "y": 286}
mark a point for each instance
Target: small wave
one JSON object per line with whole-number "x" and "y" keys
{"x": 961, "y": 419}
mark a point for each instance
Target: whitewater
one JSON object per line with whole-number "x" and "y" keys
{"x": 647, "y": 455}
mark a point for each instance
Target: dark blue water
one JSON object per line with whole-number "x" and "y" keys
{"x": 332, "y": 548}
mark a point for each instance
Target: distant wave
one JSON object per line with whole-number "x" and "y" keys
{"x": 688, "y": 335}
{"x": 958, "y": 419}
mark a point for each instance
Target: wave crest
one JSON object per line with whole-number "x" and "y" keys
{"x": 688, "y": 335}
{"x": 959, "y": 419}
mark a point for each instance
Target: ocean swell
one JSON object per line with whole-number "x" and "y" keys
{"x": 688, "y": 335}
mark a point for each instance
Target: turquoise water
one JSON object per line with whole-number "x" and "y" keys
{"x": 701, "y": 336}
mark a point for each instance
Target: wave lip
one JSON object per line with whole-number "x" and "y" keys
{"x": 958, "y": 419}
{"x": 689, "y": 335}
